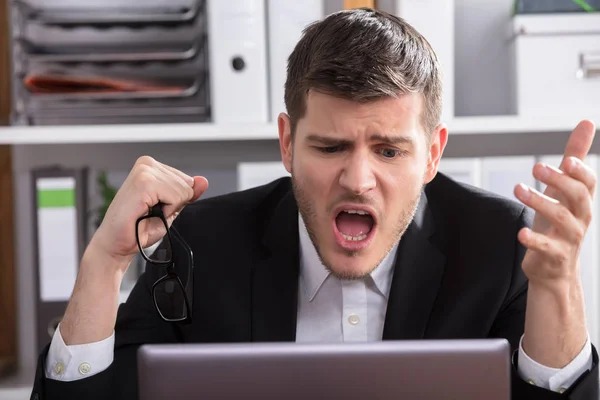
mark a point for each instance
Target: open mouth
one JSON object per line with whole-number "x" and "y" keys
{"x": 354, "y": 228}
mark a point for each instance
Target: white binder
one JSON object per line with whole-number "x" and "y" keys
{"x": 57, "y": 233}
{"x": 465, "y": 170}
{"x": 434, "y": 19}
{"x": 589, "y": 255}
{"x": 286, "y": 21}
{"x": 237, "y": 61}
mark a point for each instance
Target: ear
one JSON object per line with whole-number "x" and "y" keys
{"x": 438, "y": 141}
{"x": 285, "y": 140}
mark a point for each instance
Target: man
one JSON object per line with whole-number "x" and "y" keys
{"x": 366, "y": 242}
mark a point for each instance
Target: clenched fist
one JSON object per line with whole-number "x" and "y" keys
{"x": 148, "y": 183}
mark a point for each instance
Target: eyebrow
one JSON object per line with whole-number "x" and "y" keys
{"x": 389, "y": 139}
{"x": 327, "y": 140}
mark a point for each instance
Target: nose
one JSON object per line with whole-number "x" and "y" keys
{"x": 357, "y": 175}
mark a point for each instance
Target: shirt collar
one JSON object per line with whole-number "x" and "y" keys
{"x": 313, "y": 272}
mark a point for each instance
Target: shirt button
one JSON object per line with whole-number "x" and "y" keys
{"x": 531, "y": 381}
{"x": 561, "y": 389}
{"x": 353, "y": 319}
{"x": 84, "y": 368}
{"x": 59, "y": 368}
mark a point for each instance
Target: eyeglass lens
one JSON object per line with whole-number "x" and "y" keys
{"x": 170, "y": 299}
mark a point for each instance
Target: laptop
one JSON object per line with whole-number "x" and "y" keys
{"x": 424, "y": 369}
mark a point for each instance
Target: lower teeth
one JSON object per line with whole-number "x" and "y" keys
{"x": 354, "y": 238}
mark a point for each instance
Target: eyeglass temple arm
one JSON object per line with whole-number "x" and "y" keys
{"x": 157, "y": 211}
{"x": 175, "y": 233}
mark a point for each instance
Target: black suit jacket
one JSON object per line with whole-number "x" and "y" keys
{"x": 457, "y": 275}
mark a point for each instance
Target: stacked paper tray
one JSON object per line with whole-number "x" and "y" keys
{"x": 109, "y": 62}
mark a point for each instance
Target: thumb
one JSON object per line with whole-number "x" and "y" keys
{"x": 200, "y": 186}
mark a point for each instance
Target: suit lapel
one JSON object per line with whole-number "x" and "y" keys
{"x": 275, "y": 276}
{"x": 418, "y": 272}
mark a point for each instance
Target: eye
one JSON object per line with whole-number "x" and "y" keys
{"x": 329, "y": 149}
{"x": 390, "y": 153}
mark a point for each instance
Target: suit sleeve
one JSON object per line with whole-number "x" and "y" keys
{"x": 510, "y": 324}
{"x": 137, "y": 323}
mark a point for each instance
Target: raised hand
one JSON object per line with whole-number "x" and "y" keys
{"x": 555, "y": 325}
{"x": 148, "y": 182}
{"x": 92, "y": 310}
{"x": 563, "y": 212}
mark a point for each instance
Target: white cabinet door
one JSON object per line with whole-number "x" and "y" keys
{"x": 501, "y": 174}
{"x": 253, "y": 174}
{"x": 466, "y": 170}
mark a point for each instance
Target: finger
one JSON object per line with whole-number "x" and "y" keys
{"x": 148, "y": 170}
{"x": 537, "y": 242}
{"x": 173, "y": 200}
{"x": 163, "y": 186}
{"x": 559, "y": 216}
{"x": 176, "y": 186}
{"x": 580, "y": 141}
{"x": 582, "y": 172}
{"x": 179, "y": 181}
{"x": 542, "y": 244}
{"x": 186, "y": 178}
{"x": 574, "y": 194}
{"x": 200, "y": 186}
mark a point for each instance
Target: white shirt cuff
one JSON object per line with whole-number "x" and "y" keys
{"x": 71, "y": 363}
{"x": 555, "y": 379}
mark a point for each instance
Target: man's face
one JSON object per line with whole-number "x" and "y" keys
{"x": 358, "y": 170}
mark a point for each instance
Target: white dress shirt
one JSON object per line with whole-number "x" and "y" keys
{"x": 329, "y": 310}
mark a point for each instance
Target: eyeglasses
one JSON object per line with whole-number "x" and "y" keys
{"x": 173, "y": 300}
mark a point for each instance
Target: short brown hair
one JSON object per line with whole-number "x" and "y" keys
{"x": 363, "y": 55}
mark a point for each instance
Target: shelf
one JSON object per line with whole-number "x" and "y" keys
{"x": 192, "y": 132}
{"x": 184, "y": 132}
{"x": 514, "y": 124}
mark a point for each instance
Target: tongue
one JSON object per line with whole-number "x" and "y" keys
{"x": 354, "y": 224}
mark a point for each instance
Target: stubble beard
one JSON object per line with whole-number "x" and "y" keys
{"x": 307, "y": 211}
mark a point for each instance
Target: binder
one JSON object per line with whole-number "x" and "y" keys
{"x": 589, "y": 256}
{"x": 465, "y": 170}
{"x": 237, "y": 61}
{"x": 286, "y": 21}
{"x": 434, "y": 19}
{"x": 59, "y": 218}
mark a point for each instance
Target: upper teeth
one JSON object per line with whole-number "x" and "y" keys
{"x": 359, "y": 212}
